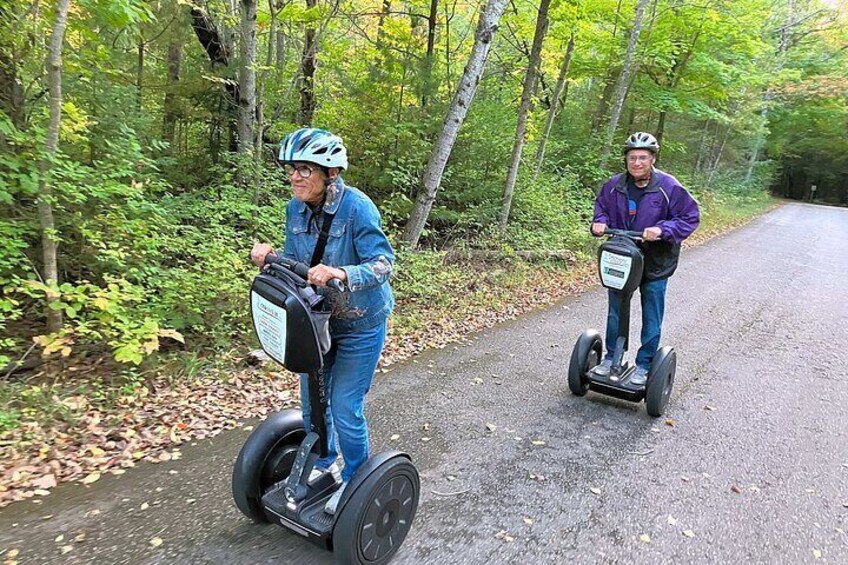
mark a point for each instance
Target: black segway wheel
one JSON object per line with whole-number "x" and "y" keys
{"x": 585, "y": 355}
{"x": 266, "y": 458}
{"x": 376, "y": 518}
{"x": 660, "y": 381}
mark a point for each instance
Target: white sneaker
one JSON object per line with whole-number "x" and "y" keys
{"x": 603, "y": 368}
{"x": 333, "y": 503}
{"x": 640, "y": 376}
{"x": 316, "y": 472}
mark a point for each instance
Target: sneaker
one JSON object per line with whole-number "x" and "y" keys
{"x": 639, "y": 376}
{"x": 317, "y": 471}
{"x": 333, "y": 503}
{"x": 603, "y": 369}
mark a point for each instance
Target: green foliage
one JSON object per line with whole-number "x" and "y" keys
{"x": 153, "y": 235}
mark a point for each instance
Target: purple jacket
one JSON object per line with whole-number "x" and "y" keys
{"x": 666, "y": 204}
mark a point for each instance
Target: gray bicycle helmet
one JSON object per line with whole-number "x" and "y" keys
{"x": 642, "y": 140}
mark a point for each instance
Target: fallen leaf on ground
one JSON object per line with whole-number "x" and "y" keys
{"x": 41, "y": 492}
{"x": 46, "y": 482}
{"x": 13, "y": 553}
{"x": 669, "y": 422}
{"x": 736, "y": 489}
{"x": 689, "y": 533}
{"x": 67, "y": 549}
{"x": 92, "y": 477}
{"x": 537, "y": 442}
{"x": 395, "y": 437}
{"x": 595, "y": 490}
{"x": 645, "y": 538}
{"x": 491, "y": 427}
{"x": 672, "y": 520}
{"x": 527, "y": 521}
{"x": 156, "y": 542}
{"x": 817, "y": 554}
{"x": 59, "y": 538}
{"x": 710, "y": 408}
{"x": 144, "y": 506}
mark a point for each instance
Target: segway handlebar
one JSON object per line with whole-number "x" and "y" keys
{"x": 637, "y": 235}
{"x": 299, "y": 268}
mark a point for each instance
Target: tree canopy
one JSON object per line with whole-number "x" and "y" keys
{"x": 168, "y": 114}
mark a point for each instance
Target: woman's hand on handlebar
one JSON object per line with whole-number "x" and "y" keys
{"x": 320, "y": 274}
{"x": 598, "y": 228}
{"x": 258, "y": 253}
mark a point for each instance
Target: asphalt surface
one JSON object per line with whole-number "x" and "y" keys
{"x": 760, "y": 406}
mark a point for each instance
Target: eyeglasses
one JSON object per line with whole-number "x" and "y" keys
{"x": 305, "y": 171}
{"x": 638, "y": 158}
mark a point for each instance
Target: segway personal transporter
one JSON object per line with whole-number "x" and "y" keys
{"x": 620, "y": 265}
{"x": 272, "y": 477}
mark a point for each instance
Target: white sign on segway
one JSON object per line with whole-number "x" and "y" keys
{"x": 270, "y": 322}
{"x": 615, "y": 269}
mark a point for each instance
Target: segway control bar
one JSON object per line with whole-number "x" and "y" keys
{"x": 300, "y": 269}
{"x": 637, "y": 235}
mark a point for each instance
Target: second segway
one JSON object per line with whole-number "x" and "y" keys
{"x": 620, "y": 266}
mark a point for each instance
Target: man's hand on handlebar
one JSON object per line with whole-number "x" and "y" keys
{"x": 652, "y": 234}
{"x": 598, "y": 228}
{"x": 320, "y": 274}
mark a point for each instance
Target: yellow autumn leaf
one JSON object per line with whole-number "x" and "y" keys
{"x": 91, "y": 478}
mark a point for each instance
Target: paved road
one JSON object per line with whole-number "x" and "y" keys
{"x": 759, "y": 321}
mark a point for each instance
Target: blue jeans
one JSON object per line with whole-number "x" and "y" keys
{"x": 348, "y": 371}
{"x": 652, "y": 296}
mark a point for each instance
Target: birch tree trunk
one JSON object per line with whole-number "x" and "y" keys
{"x": 524, "y": 111}
{"x": 45, "y": 192}
{"x": 487, "y": 26}
{"x": 560, "y": 92}
{"x": 624, "y": 79}
{"x": 247, "y": 77}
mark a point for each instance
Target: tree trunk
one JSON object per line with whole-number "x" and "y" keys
{"x": 45, "y": 192}
{"x": 11, "y": 92}
{"x": 307, "y": 75}
{"x": 428, "y": 59}
{"x": 560, "y": 91}
{"x": 377, "y": 71}
{"x": 524, "y": 110}
{"x": 169, "y": 105}
{"x": 660, "y": 127}
{"x": 139, "y": 75}
{"x": 717, "y": 159}
{"x": 623, "y": 80}
{"x": 280, "y": 51}
{"x": 487, "y": 26}
{"x": 247, "y": 78}
{"x": 702, "y": 150}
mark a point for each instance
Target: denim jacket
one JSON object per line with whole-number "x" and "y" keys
{"x": 357, "y": 245}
